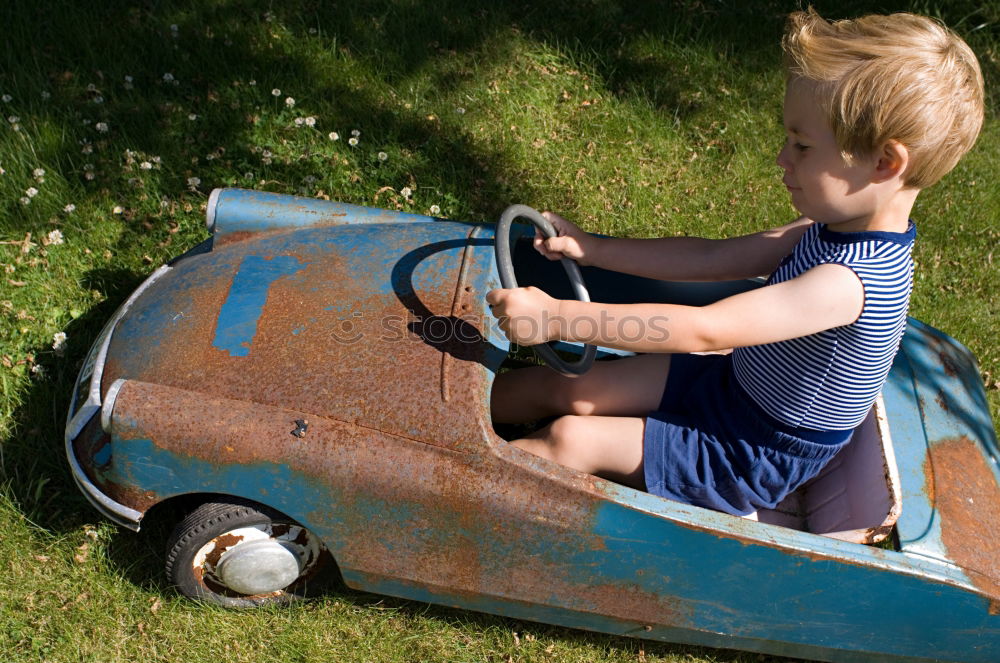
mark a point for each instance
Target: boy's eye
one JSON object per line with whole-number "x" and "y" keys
{"x": 800, "y": 147}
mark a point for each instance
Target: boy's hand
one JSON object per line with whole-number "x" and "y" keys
{"x": 571, "y": 241}
{"x": 527, "y": 316}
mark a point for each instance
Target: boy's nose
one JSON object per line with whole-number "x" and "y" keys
{"x": 782, "y": 158}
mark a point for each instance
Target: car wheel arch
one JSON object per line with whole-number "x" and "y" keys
{"x": 201, "y": 520}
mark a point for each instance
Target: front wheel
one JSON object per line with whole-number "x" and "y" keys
{"x": 239, "y": 554}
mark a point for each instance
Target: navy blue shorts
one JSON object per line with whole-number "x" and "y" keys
{"x": 709, "y": 445}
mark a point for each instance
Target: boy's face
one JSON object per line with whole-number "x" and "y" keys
{"x": 823, "y": 186}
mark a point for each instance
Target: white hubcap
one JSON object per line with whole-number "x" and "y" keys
{"x": 257, "y": 567}
{"x": 259, "y": 559}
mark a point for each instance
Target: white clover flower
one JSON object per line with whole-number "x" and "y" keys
{"x": 310, "y": 121}
{"x": 88, "y": 166}
{"x": 352, "y": 141}
{"x": 460, "y": 110}
{"x": 31, "y": 192}
{"x": 382, "y": 156}
{"x": 156, "y": 159}
{"x": 276, "y": 92}
{"x": 117, "y": 209}
{"x": 46, "y": 94}
{"x": 7, "y": 98}
{"x": 89, "y": 175}
{"x": 194, "y": 182}
{"x": 87, "y": 148}
{"x": 91, "y": 87}
{"x": 168, "y": 77}
{"x": 192, "y": 117}
{"x": 13, "y": 119}
{"x": 128, "y": 83}
{"x": 355, "y": 133}
{"x": 128, "y": 79}
{"x": 59, "y": 342}
{"x": 102, "y": 127}
{"x": 435, "y": 209}
{"x": 2, "y": 171}
{"x": 333, "y": 135}
{"x": 25, "y": 200}
{"x": 70, "y": 208}
{"x": 299, "y": 121}
{"x": 252, "y": 82}
{"x": 54, "y": 237}
{"x": 406, "y": 192}
{"x": 174, "y": 28}
{"x": 290, "y": 102}
{"x": 145, "y": 165}
{"x": 38, "y": 371}
{"x": 98, "y": 99}
{"x": 38, "y": 172}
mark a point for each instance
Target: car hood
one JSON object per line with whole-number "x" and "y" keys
{"x": 382, "y": 325}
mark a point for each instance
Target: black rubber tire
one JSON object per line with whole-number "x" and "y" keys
{"x": 215, "y": 519}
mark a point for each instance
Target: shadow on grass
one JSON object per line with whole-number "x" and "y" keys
{"x": 34, "y": 468}
{"x": 220, "y": 45}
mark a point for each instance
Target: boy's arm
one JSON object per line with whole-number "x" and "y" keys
{"x": 824, "y": 297}
{"x": 680, "y": 258}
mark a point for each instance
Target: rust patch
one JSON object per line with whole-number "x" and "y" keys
{"x": 222, "y": 544}
{"x": 948, "y": 364}
{"x": 333, "y": 341}
{"x": 966, "y": 495}
{"x": 942, "y": 400}
{"x": 130, "y": 496}
{"x": 232, "y": 238}
{"x": 944, "y": 354}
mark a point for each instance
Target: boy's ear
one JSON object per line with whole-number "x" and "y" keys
{"x": 893, "y": 159}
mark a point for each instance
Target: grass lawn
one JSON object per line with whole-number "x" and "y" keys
{"x": 118, "y": 119}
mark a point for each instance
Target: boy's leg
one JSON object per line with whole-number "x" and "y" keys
{"x": 610, "y": 447}
{"x": 631, "y": 386}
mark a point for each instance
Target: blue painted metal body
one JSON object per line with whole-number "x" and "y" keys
{"x": 233, "y": 211}
{"x": 377, "y": 333}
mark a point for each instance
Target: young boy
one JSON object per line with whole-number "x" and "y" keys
{"x": 875, "y": 110}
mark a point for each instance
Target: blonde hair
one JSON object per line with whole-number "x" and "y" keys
{"x": 899, "y": 77}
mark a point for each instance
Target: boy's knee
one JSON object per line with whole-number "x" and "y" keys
{"x": 574, "y": 397}
{"x": 567, "y": 436}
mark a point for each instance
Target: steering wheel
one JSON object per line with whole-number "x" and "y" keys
{"x": 544, "y": 351}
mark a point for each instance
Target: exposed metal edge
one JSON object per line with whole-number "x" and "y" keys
{"x": 889, "y": 454}
{"x": 107, "y": 408}
{"x": 213, "y": 203}
{"x": 110, "y": 509}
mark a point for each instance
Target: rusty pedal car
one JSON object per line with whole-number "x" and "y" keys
{"x": 316, "y": 377}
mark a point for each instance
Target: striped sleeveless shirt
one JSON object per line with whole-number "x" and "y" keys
{"x": 828, "y": 381}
